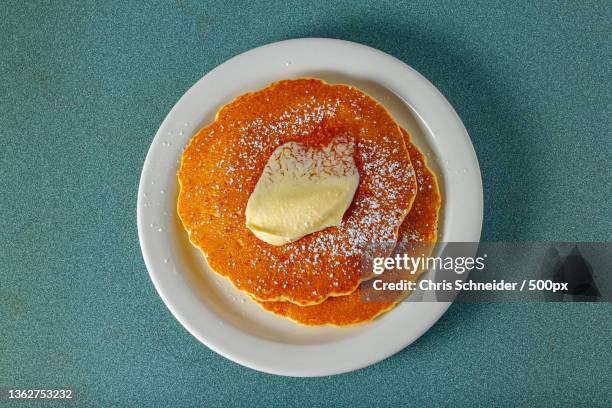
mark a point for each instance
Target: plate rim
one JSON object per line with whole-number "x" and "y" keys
{"x": 222, "y": 339}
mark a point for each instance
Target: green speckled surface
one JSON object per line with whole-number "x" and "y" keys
{"x": 83, "y": 88}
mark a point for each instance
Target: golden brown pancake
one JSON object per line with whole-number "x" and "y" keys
{"x": 222, "y": 163}
{"x": 420, "y": 228}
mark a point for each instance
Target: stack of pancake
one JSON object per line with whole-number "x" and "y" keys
{"x": 317, "y": 279}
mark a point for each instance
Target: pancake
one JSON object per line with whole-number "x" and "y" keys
{"x": 365, "y": 304}
{"x": 223, "y": 161}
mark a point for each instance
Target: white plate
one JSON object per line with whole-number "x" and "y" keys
{"x": 226, "y": 320}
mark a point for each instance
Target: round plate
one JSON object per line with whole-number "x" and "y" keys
{"x": 226, "y": 320}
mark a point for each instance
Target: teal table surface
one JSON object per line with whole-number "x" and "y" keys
{"x": 83, "y": 89}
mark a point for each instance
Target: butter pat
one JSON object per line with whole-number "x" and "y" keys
{"x": 302, "y": 190}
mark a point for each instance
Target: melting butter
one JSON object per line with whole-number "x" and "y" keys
{"x": 302, "y": 190}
